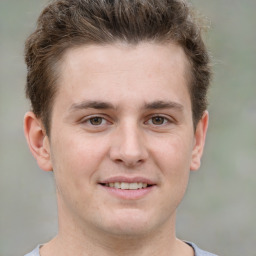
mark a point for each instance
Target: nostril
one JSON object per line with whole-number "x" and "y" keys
{"x": 129, "y": 162}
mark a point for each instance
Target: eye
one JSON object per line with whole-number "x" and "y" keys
{"x": 158, "y": 120}
{"x": 96, "y": 120}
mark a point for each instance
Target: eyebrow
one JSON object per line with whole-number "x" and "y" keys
{"x": 107, "y": 105}
{"x": 91, "y": 104}
{"x": 163, "y": 105}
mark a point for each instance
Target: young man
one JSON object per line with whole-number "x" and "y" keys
{"x": 118, "y": 95}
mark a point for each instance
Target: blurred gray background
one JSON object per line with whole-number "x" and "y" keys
{"x": 218, "y": 212}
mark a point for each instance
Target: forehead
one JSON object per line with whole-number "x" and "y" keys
{"x": 111, "y": 71}
{"x": 160, "y": 56}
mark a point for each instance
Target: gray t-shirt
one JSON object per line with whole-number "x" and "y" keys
{"x": 198, "y": 251}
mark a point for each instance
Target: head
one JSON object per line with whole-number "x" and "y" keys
{"x": 118, "y": 91}
{"x": 67, "y": 24}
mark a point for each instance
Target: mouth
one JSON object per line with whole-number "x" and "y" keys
{"x": 128, "y": 188}
{"x": 127, "y": 185}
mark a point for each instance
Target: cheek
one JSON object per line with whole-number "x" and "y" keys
{"x": 75, "y": 159}
{"x": 75, "y": 163}
{"x": 77, "y": 150}
{"x": 173, "y": 160}
{"x": 173, "y": 154}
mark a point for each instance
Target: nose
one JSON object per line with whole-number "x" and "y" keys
{"x": 128, "y": 146}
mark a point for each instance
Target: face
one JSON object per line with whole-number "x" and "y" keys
{"x": 122, "y": 140}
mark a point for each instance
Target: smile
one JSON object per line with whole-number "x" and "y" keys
{"x": 128, "y": 188}
{"x": 126, "y": 185}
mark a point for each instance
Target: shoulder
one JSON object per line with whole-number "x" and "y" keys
{"x": 198, "y": 251}
{"x": 35, "y": 252}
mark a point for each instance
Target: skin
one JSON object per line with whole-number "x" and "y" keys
{"x": 121, "y": 111}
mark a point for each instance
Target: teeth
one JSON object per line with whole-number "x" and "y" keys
{"x": 144, "y": 185}
{"x": 125, "y": 185}
{"x": 135, "y": 185}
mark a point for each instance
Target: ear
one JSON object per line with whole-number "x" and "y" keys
{"x": 200, "y": 135}
{"x": 38, "y": 141}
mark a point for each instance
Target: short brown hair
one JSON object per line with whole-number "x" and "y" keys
{"x": 64, "y": 24}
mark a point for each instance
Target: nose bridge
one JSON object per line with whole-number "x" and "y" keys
{"x": 129, "y": 145}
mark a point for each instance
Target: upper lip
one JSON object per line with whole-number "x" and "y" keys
{"x": 127, "y": 180}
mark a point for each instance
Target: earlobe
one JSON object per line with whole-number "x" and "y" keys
{"x": 38, "y": 141}
{"x": 200, "y": 135}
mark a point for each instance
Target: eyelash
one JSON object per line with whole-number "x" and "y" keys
{"x": 163, "y": 118}
{"x": 104, "y": 121}
{"x": 89, "y": 120}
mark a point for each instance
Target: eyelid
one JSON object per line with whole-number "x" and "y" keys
{"x": 89, "y": 117}
{"x": 168, "y": 118}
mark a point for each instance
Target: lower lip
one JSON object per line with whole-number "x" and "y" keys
{"x": 129, "y": 194}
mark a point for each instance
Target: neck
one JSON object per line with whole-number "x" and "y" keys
{"x": 90, "y": 244}
{"x": 84, "y": 240}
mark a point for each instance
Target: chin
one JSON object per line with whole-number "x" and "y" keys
{"x": 129, "y": 223}
{"x": 127, "y": 231}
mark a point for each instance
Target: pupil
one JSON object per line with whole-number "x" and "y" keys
{"x": 158, "y": 120}
{"x": 96, "y": 120}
